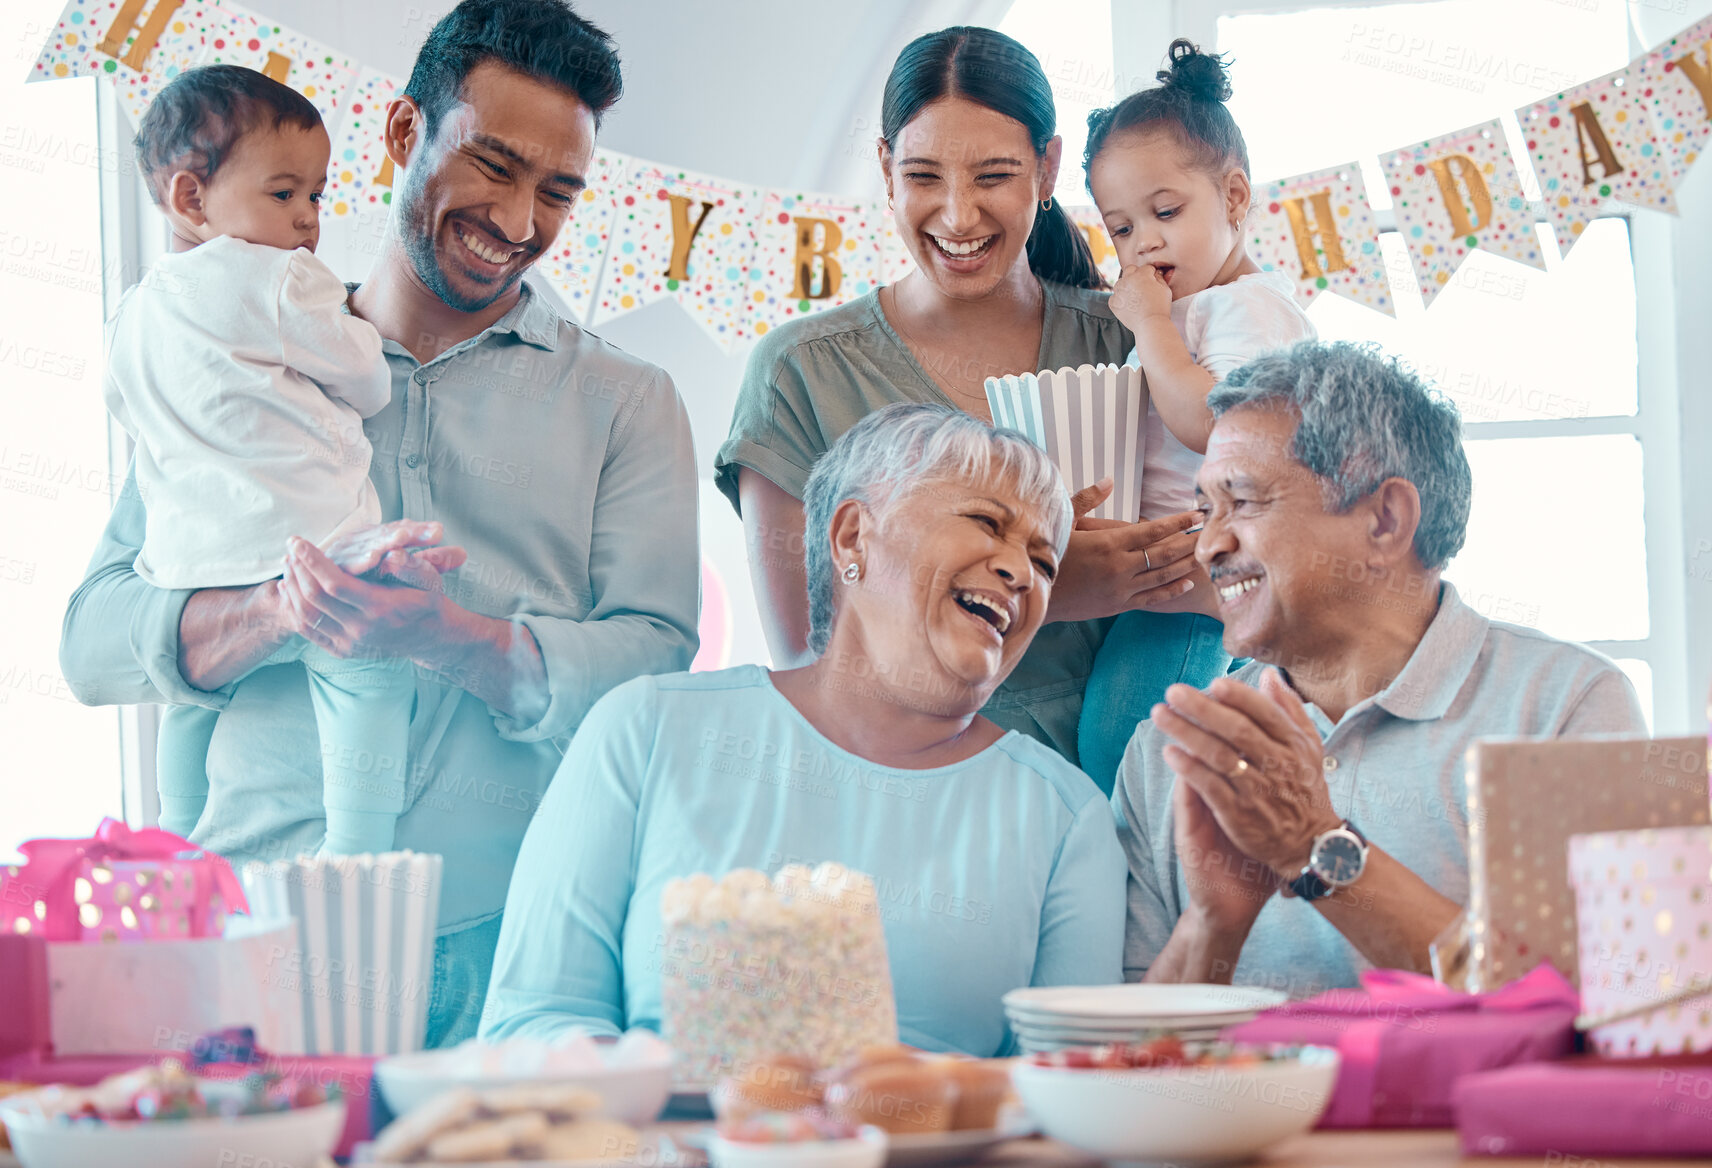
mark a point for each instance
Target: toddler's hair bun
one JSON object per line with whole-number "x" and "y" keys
{"x": 1202, "y": 76}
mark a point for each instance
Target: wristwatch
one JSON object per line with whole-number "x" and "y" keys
{"x": 1336, "y": 860}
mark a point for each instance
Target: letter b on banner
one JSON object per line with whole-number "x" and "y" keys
{"x": 831, "y": 275}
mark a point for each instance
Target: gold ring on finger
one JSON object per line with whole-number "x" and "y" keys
{"x": 1242, "y": 769}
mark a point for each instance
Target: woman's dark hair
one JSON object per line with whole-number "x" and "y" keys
{"x": 194, "y": 122}
{"x": 991, "y": 69}
{"x": 543, "y": 38}
{"x": 1189, "y": 104}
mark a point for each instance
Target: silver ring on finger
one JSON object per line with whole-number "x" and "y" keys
{"x": 1147, "y": 559}
{"x": 317, "y": 623}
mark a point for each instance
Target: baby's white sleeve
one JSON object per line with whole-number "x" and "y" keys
{"x": 318, "y": 338}
{"x": 1245, "y": 322}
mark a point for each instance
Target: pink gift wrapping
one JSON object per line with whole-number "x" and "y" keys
{"x": 119, "y": 885}
{"x": 1405, "y": 1040}
{"x": 1583, "y": 1108}
{"x": 1643, "y": 908}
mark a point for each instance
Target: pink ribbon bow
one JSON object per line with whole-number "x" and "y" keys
{"x": 53, "y": 865}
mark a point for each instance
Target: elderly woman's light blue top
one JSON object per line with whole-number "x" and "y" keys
{"x": 1000, "y": 871}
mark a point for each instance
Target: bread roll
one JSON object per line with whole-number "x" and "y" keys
{"x": 983, "y": 1085}
{"x": 905, "y": 1097}
{"x": 780, "y": 1083}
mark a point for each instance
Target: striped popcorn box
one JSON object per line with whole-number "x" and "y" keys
{"x": 363, "y": 957}
{"x": 1091, "y": 420}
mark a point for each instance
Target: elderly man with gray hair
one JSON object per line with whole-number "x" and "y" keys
{"x": 1306, "y": 818}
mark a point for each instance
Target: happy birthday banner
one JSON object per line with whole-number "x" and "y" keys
{"x": 743, "y": 259}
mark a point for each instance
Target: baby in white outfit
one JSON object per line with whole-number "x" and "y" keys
{"x": 244, "y": 383}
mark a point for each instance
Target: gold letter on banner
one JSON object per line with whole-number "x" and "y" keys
{"x": 683, "y": 235}
{"x": 384, "y": 178}
{"x": 1324, "y": 226}
{"x": 1097, "y": 242}
{"x": 1477, "y": 193}
{"x": 1588, "y": 121}
{"x": 146, "y": 37}
{"x": 277, "y": 67}
{"x": 1700, "y": 75}
{"x": 804, "y": 262}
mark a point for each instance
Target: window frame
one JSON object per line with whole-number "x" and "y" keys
{"x": 1659, "y": 422}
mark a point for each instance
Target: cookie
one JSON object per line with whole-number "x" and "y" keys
{"x": 406, "y": 1137}
{"x": 509, "y": 1137}
{"x": 591, "y": 1139}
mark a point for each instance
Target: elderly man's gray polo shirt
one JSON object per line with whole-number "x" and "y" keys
{"x": 1395, "y": 766}
{"x": 565, "y": 468}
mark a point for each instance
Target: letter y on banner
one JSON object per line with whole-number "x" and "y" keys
{"x": 1455, "y": 193}
{"x": 1319, "y": 228}
{"x": 687, "y": 237}
{"x": 1674, "y": 83}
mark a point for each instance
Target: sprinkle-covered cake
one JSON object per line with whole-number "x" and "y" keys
{"x": 756, "y": 968}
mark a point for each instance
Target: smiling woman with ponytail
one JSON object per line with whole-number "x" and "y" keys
{"x": 1003, "y": 283}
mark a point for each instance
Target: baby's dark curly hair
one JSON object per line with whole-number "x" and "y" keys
{"x": 1189, "y": 103}
{"x": 196, "y": 120}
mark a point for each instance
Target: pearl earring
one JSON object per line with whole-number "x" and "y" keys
{"x": 852, "y": 573}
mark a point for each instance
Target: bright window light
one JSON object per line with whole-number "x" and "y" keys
{"x": 1073, "y": 39}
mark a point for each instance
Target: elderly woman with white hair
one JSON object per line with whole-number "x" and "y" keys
{"x": 934, "y": 540}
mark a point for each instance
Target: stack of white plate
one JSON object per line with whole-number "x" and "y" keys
{"x": 1053, "y": 1017}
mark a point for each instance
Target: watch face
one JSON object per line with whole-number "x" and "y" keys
{"x": 1339, "y": 858}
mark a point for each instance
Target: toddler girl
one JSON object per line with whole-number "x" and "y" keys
{"x": 244, "y": 383}
{"x": 1168, "y": 169}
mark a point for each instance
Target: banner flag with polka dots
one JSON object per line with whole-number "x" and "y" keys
{"x": 1674, "y": 83}
{"x": 572, "y": 265}
{"x": 895, "y": 259}
{"x": 240, "y": 37}
{"x": 140, "y": 45}
{"x": 1093, "y": 228}
{"x": 1319, "y": 228}
{"x": 360, "y": 174}
{"x": 1594, "y": 144}
{"x": 812, "y": 252}
{"x": 1455, "y": 193}
{"x": 687, "y": 237}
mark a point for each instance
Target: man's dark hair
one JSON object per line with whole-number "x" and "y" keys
{"x": 542, "y": 38}
{"x": 196, "y": 120}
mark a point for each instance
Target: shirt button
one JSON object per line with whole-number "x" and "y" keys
{"x": 413, "y": 460}
{"x": 1331, "y": 763}
{"x": 419, "y": 377}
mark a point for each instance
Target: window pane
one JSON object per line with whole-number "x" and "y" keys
{"x": 1314, "y": 89}
{"x": 62, "y": 759}
{"x": 1556, "y": 539}
{"x": 1493, "y": 340}
{"x": 1073, "y": 39}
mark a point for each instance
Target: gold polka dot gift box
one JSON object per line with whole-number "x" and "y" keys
{"x": 1643, "y": 908}
{"x": 1525, "y": 800}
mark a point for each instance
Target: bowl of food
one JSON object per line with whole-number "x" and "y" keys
{"x": 632, "y": 1076}
{"x": 161, "y": 1117}
{"x": 1194, "y": 1102}
{"x": 779, "y": 1139}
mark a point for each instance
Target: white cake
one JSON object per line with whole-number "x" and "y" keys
{"x": 754, "y": 968}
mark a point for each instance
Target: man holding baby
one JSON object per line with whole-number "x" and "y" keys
{"x": 543, "y": 488}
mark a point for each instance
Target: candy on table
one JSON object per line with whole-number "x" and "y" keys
{"x": 754, "y": 967}
{"x": 168, "y": 1092}
{"x": 786, "y": 1127}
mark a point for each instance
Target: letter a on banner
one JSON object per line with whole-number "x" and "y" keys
{"x": 686, "y": 237}
{"x": 812, "y": 252}
{"x": 1595, "y": 143}
{"x": 1319, "y": 228}
{"x": 1675, "y": 86}
{"x": 317, "y": 72}
{"x": 1456, "y": 193}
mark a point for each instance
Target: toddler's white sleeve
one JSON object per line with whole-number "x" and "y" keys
{"x": 318, "y": 338}
{"x": 1248, "y": 320}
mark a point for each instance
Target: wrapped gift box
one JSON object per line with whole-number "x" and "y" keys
{"x": 1644, "y": 911}
{"x": 1575, "y": 1111}
{"x": 118, "y": 885}
{"x": 1525, "y": 799}
{"x": 1405, "y": 1040}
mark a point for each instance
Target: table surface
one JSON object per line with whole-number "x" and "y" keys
{"x": 1334, "y": 1149}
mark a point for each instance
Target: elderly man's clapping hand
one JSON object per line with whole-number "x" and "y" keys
{"x": 1253, "y": 760}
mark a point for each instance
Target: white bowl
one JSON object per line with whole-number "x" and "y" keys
{"x": 867, "y": 1150}
{"x": 635, "y": 1094}
{"x": 1181, "y": 1114}
{"x": 283, "y": 1139}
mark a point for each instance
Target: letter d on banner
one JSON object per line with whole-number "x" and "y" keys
{"x": 1454, "y": 204}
